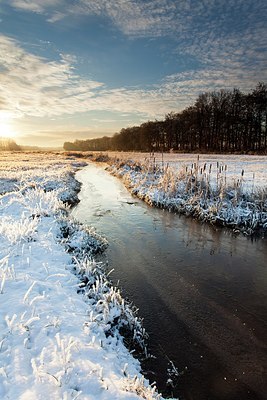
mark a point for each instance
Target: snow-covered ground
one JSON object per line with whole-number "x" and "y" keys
{"x": 59, "y": 316}
{"x": 230, "y": 190}
{"x": 254, "y": 167}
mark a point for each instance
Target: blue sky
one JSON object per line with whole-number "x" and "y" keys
{"x": 76, "y": 69}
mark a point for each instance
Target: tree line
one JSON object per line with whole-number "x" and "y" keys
{"x": 219, "y": 121}
{"x": 8, "y": 145}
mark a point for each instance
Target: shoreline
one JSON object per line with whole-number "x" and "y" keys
{"x": 61, "y": 325}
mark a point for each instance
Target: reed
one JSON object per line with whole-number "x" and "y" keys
{"x": 205, "y": 191}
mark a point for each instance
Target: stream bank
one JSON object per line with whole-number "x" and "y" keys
{"x": 200, "y": 290}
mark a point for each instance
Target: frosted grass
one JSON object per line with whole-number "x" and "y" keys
{"x": 60, "y": 316}
{"x": 207, "y": 191}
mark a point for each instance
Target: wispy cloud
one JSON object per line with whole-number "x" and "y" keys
{"x": 219, "y": 44}
{"x": 133, "y": 17}
{"x": 34, "y": 86}
{"x": 156, "y": 17}
{"x": 38, "y": 6}
{"x": 221, "y": 33}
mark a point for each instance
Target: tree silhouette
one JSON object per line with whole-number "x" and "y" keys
{"x": 222, "y": 121}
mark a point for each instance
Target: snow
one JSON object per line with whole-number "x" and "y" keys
{"x": 230, "y": 190}
{"x": 60, "y": 317}
{"x": 255, "y": 167}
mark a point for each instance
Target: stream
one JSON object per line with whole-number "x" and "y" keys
{"x": 200, "y": 289}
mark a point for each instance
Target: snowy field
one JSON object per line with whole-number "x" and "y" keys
{"x": 59, "y": 317}
{"x": 254, "y": 167}
{"x": 230, "y": 190}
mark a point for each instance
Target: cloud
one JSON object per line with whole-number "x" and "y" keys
{"x": 34, "y": 86}
{"x": 136, "y": 18}
{"x": 38, "y": 6}
{"x": 156, "y": 17}
{"x": 228, "y": 32}
{"x": 133, "y": 18}
{"x": 57, "y": 138}
{"x": 226, "y": 40}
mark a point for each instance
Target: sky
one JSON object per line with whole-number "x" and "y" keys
{"x": 79, "y": 69}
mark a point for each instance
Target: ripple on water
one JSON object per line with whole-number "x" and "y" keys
{"x": 201, "y": 291}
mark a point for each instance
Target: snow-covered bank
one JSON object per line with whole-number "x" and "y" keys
{"x": 254, "y": 167}
{"x": 59, "y": 318}
{"x": 199, "y": 189}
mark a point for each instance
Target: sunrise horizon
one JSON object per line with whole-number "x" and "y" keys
{"x": 77, "y": 71}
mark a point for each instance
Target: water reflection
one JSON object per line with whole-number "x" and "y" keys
{"x": 200, "y": 289}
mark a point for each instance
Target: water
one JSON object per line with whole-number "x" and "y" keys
{"x": 201, "y": 291}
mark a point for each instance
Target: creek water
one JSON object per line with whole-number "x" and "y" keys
{"x": 200, "y": 289}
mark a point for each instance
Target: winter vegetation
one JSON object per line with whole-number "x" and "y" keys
{"x": 224, "y": 121}
{"x": 7, "y": 144}
{"x": 231, "y": 192}
{"x": 61, "y": 319}
{"x": 65, "y": 331}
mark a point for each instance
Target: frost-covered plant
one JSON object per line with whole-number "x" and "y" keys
{"x": 80, "y": 239}
{"x": 137, "y": 385}
{"x": 35, "y": 273}
{"x": 42, "y": 203}
{"x": 15, "y": 230}
{"x": 202, "y": 191}
{"x": 111, "y": 309}
{"x": 63, "y": 351}
{"x": 10, "y": 321}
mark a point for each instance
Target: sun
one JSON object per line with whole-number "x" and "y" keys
{"x": 6, "y": 130}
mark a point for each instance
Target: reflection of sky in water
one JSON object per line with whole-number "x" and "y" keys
{"x": 180, "y": 272}
{"x": 192, "y": 282}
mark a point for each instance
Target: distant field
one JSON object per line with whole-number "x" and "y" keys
{"x": 19, "y": 168}
{"x": 254, "y": 167}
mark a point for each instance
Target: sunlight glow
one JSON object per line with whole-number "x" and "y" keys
{"x": 6, "y": 130}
